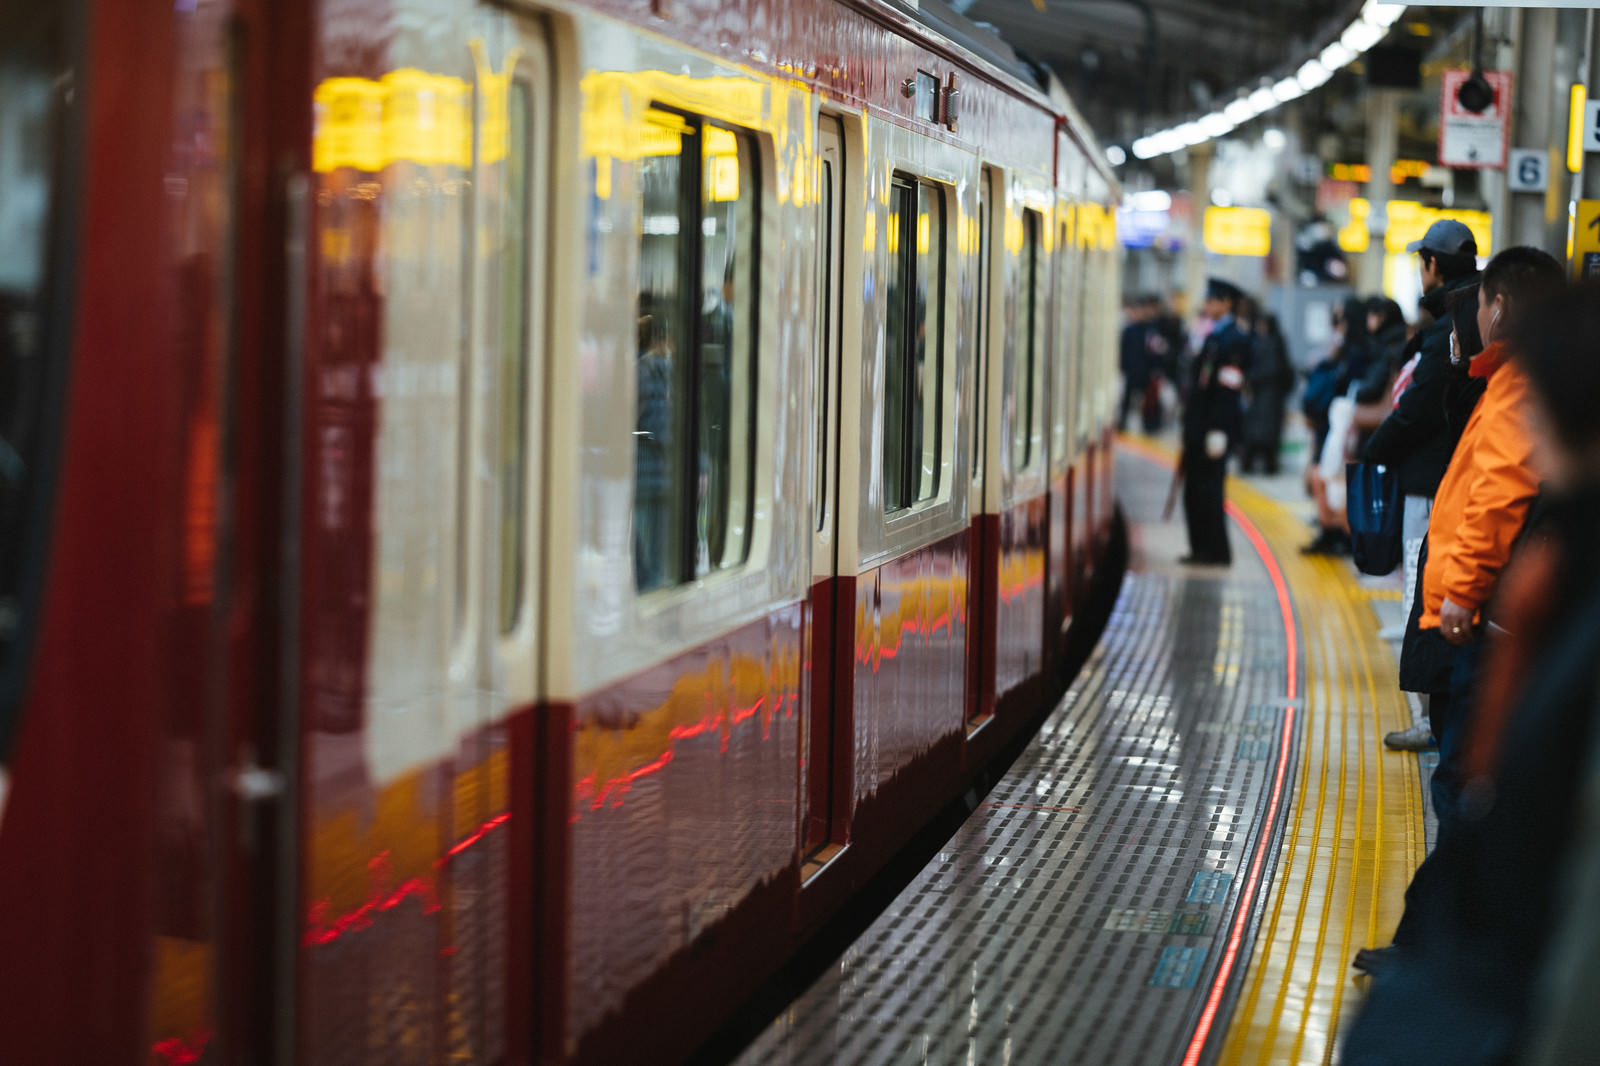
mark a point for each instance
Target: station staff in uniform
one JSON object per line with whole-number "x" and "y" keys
{"x": 1212, "y": 419}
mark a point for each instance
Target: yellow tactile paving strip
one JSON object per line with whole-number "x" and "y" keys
{"x": 1355, "y": 833}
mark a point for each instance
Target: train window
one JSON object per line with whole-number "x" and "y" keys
{"x": 37, "y": 185}
{"x": 913, "y": 345}
{"x": 825, "y": 208}
{"x": 1031, "y": 347}
{"x": 982, "y": 321}
{"x": 696, "y": 371}
{"x": 513, "y": 360}
{"x": 1066, "y": 289}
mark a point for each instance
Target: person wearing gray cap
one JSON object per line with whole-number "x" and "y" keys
{"x": 1446, "y": 237}
{"x": 1419, "y": 435}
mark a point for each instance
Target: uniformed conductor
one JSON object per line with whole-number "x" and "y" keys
{"x": 1212, "y": 417}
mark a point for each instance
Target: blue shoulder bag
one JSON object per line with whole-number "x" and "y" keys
{"x": 1373, "y": 505}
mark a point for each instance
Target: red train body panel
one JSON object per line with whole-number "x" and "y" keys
{"x": 350, "y": 732}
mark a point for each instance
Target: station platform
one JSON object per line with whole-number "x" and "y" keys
{"x": 1181, "y": 865}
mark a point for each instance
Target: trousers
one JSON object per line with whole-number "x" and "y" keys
{"x": 1204, "y": 480}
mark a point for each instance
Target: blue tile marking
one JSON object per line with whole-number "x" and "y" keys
{"x": 1208, "y": 887}
{"x": 1254, "y": 750}
{"x": 1178, "y": 967}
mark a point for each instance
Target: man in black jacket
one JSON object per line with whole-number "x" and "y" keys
{"x": 1419, "y": 435}
{"x": 1212, "y": 416}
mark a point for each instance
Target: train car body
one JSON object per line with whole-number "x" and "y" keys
{"x": 522, "y": 509}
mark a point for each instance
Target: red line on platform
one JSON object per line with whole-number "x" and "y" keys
{"x": 1208, "y": 1014}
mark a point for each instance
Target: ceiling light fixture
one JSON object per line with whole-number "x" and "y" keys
{"x": 1358, "y": 37}
{"x": 1312, "y": 74}
{"x": 1288, "y": 89}
{"x": 1361, "y": 36}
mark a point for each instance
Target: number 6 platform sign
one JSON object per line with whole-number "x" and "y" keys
{"x": 1474, "y": 140}
{"x": 1529, "y": 170}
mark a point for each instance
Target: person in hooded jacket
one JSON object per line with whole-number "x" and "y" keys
{"x": 1269, "y": 377}
{"x": 1325, "y": 476}
{"x": 1386, "y": 326}
{"x": 1420, "y": 433}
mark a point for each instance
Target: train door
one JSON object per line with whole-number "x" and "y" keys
{"x": 980, "y": 596}
{"x": 828, "y": 735}
{"x": 499, "y": 887}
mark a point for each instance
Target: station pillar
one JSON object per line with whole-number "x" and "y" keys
{"x": 1194, "y": 253}
{"x": 1383, "y": 118}
{"x": 1549, "y": 59}
{"x": 1587, "y": 185}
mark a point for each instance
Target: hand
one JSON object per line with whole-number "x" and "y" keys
{"x": 1455, "y": 622}
{"x": 1216, "y": 444}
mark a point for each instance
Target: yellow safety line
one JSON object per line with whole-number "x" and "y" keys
{"x": 1357, "y": 847}
{"x": 1275, "y": 1024}
{"x": 1346, "y": 667}
{"x": 1338, "y": 839}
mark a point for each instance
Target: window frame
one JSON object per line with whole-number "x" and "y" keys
{"x": 692, "y": 214}
{"x": 1032, "y": 344}
{"x": 903, "y": 253}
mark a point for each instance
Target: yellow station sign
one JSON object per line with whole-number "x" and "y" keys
{"x": 1237, "y": 231}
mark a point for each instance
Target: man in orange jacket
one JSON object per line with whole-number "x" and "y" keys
{"x": 1478, "y": 511}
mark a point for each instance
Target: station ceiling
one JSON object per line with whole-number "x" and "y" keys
{"x": 1134, "y": 64}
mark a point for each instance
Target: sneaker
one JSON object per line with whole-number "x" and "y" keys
{"x": 1417, "y": 738}
{"x": 1328, "y": 542}
{"x": 1370, "y": 960}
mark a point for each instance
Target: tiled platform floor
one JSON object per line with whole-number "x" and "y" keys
{"x": 1103, "y": 903}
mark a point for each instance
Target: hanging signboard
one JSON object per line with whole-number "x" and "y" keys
{"x": 1237, "y": 231}
{"x": 1474, "y": 140}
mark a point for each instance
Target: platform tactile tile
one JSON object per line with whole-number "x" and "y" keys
{"x": 1080, "y": 914}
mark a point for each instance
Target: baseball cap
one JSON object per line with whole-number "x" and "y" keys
{"x": 1446, "y": 237}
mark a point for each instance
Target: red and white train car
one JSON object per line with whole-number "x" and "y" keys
{"x": 513, "y": 513}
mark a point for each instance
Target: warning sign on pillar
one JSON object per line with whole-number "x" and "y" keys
{"x": 1474, "y": 139}
{"x": 1586, "y": 241}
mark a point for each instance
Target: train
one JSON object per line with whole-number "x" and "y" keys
{"x": 515, "y": 512}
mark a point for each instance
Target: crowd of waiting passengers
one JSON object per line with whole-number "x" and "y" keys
{"x": 1488, "y": 415}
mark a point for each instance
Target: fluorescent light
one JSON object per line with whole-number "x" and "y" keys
{"x": 1151, "y": 200}
{"x": 1312, "y": 74}
{"x": 1262, "y": 101}
{"x": 1116, "y": 156}
{"x": 1169, "y": 141}
{"x": 1336, "y": 55}
{"x": 1382, "y": 15}
{"x": 1274, "y": 139}
{"x": 1216, "y": 125}
{"x": 1361, "y": 36}
{"x": 1191, "y": 133}
{"x": 1145, "y": 148}
{"x": 1288, "y": 89}
{"x": 1239, "y": 112}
